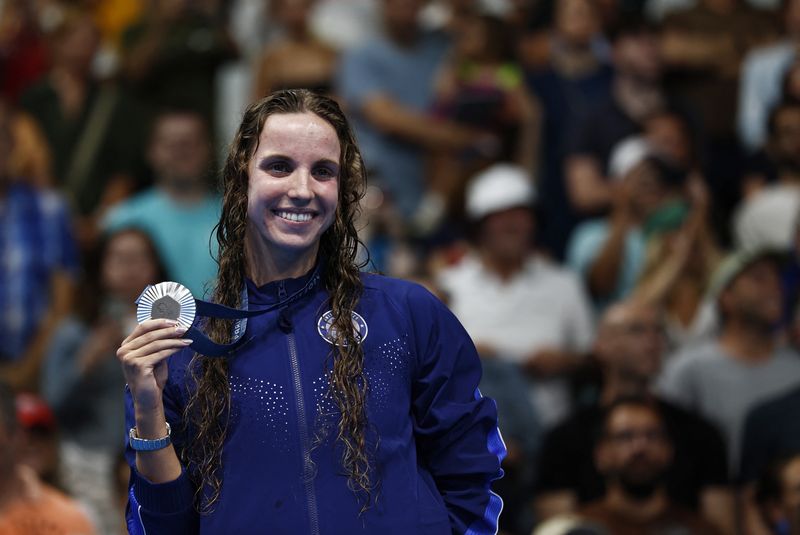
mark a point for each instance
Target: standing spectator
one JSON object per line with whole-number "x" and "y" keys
{"x": 388, "y": 86}
{"x": 635, "y": 454}
{"x": 481, "y": 87}
{"x": 82, "y": 379}
{"x": 39, "y": 263}
{"x": 703, "y": 47}
{"x": 297, "y": 60}
{"x": 173, "y": 53}
{"x": 725, "y": 378}
{"x": 629, "y": 348}
{"x": 92, "y": 129}
{"x": 575, "y": 76}
{"x": 27, "y": 505}
{"x": 760, "y": 84}
{"x": 514, "y": 303}
{"x": 180, "y": 210}
{"x": 636, "y": 94}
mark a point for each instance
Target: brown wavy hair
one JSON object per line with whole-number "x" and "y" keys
{"x": 208, "y": 409}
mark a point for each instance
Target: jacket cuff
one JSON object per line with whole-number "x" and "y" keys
{"x": 163, "y": 498}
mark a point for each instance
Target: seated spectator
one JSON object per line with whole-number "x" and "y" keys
{"x": 515, "y": 304}
{"x": 82, "y": 379}
{"x": 528, "y": 318}
{"x": 297, "y": 60}
{"x": 27, "y": 505}
{"x": 777, "y": 494}
{"x": 40, "y": 437}
{"x": 180, "y": 211}
{"x": 681, "y": 258}
{"x": 609, "y": 252}
{"x": 635, "y": 454}
{"x": 745, "y": 364}
{"x": 92, "y": 128}
{"x": 629, "y": 348}
{"x": 38, "y": 269}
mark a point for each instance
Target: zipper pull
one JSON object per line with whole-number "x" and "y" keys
{"x": 285, "y": 322}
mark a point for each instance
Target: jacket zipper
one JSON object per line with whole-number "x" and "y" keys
{"x": 308, "y": 465}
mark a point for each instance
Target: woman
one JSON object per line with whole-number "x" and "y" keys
{"x": 343, "y": 412}
{"x": 82, "y": 380}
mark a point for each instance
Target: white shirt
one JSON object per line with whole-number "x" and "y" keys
{"x": 541, "y": 307}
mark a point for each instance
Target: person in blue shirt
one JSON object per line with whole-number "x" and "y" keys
{"x": 351, "y": 406}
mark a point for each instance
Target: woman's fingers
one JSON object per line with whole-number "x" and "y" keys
{"x": 127, "y": 354}
{"x": 149, "y": 326}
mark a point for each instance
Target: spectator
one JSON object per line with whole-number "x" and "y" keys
{"x": 575, "y": 76}
{"x": 635, "y": 454}
{"x": 82, "y": 379}
{"x": 681, "y": 258}
{"x": 725, "y": 378}
{"x": 38, "y": 268}
{"x": 636, "y": 94}
{"x": 778, "y": 161}
{"x": 629, "y": 348}
{"x": 514, "y": 303}
{"x": 299, "y": 59}
{"x": 778, "y": 495}
{"x": 609, "y": 252}
{"x": 93, "y": 130}
{"x": 174, "y": 52}
{"x": 40, "y": 437}
{"x": 387, "y": 84}
{"x": 760, "y": 85}
{"x": 23, "y": 54}
{"x": 480, "y": 87}
{"x": 27, "y": 505}
{"x": 180, "y": 211}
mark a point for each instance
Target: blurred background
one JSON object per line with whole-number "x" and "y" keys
{"x": 605, "y": 192}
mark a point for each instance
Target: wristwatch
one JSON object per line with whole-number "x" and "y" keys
{"x": 143, "y": 444}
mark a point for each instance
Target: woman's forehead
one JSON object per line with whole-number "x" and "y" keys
{"x": 298, "y": 134}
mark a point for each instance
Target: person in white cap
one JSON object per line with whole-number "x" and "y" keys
{"x": 514, "y": 303}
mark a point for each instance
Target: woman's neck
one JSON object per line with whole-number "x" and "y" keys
{"x": 265, "y": 266}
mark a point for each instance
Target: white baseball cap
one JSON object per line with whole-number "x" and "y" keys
{"x": 497, "y": 188}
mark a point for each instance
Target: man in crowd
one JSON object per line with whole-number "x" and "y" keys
{"x": 629, "y": 347}
{"x": 746, "y": 364}
{"x": 634, "y": 455}
{"x": 179, "y": 212}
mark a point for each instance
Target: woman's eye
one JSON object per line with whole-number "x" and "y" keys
{"x": 324, "y": 173}
{"x": 280, "y": 168}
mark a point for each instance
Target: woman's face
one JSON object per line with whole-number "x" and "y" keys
{"x": 293, "y": 188}
{"x": 128, "y": 265}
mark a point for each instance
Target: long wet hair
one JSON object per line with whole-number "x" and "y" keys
{"x": 208, "y": 409}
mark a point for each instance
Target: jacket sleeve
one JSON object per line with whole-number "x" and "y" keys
{"x": 166, "y": 508}
{"x": 455, "y": 427}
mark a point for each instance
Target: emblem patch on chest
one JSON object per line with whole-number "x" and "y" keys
{"x": 327, "y": 331}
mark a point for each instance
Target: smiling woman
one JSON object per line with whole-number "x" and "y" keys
{"x": 352, "y": 407}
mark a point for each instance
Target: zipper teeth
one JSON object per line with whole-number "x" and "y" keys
{"x": 308, "y": 474}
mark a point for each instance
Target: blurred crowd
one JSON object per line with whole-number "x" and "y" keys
{"x": 605, "y": 192}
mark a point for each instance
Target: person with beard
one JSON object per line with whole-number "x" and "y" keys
{"x": 634, "y": 454}
{"x": 629, "y": 347}
{"x": 746, "y": 363}
{"x": 180, "y": 211}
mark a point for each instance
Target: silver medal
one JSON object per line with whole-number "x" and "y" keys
{"x": 169, "y": 300}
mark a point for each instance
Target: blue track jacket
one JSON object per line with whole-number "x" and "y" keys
{"x": 436, "y": 443}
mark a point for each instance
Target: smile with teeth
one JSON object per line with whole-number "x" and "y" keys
{"x": 294, "y": 216}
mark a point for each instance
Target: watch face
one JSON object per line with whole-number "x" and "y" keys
{"x": 168, "y": 300}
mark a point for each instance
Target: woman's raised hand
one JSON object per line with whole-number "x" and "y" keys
{"x": 144, "y": 354}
